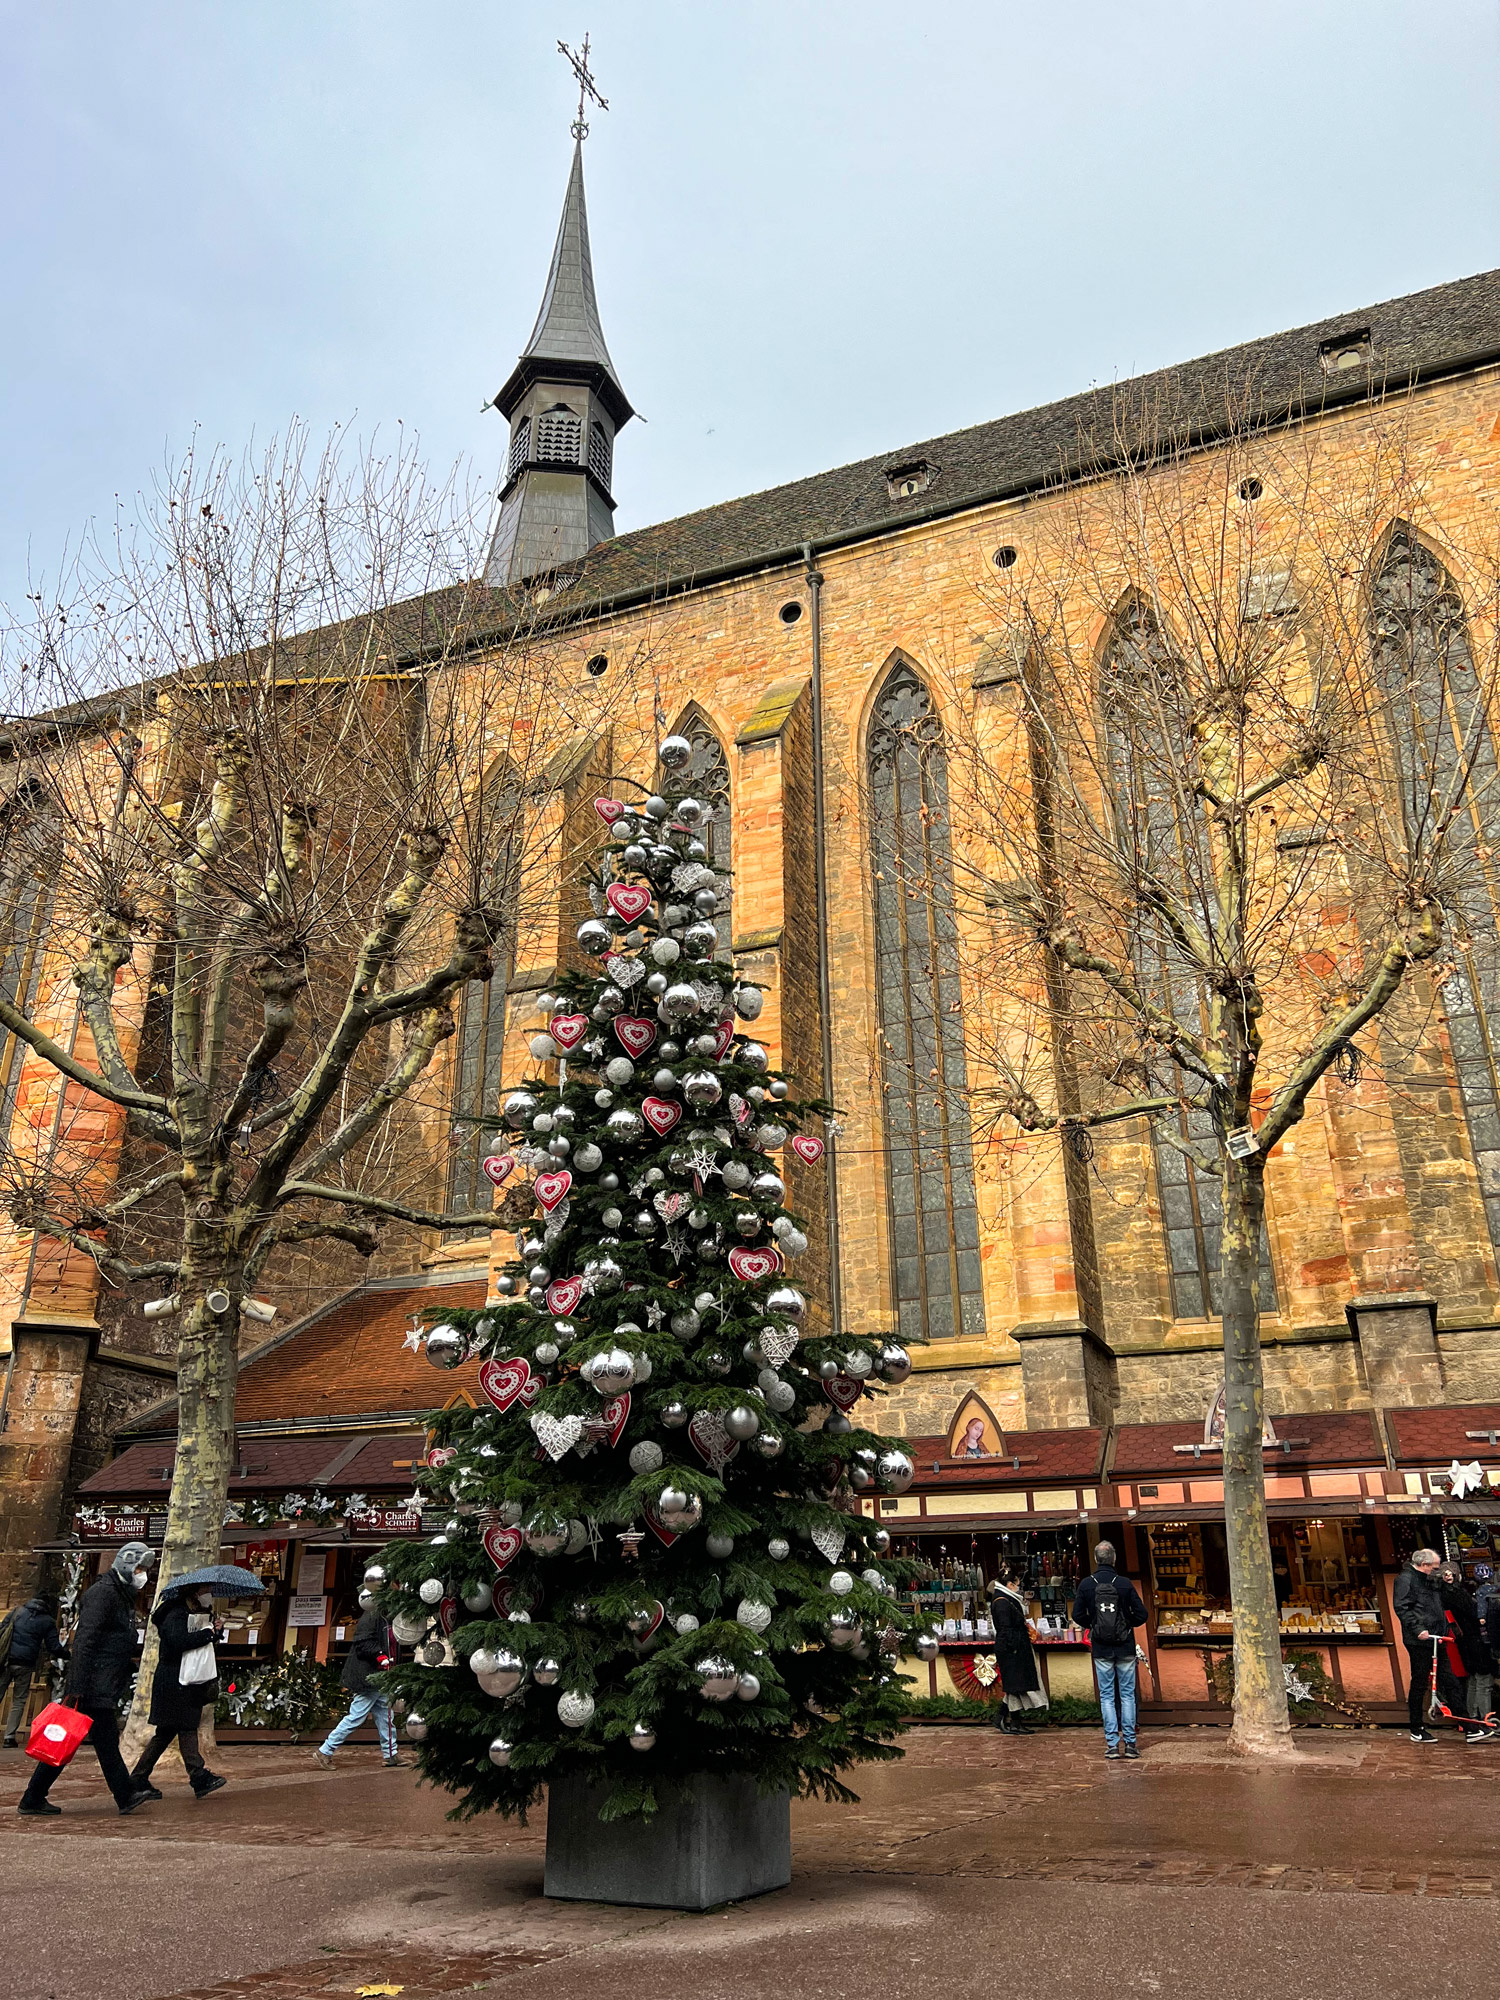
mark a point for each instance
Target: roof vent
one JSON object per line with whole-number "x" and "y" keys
{"x": 1345, "y": 351}
{"x": 905, "y": 482}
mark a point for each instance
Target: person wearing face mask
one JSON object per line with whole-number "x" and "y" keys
{"x": 103, "y": 1659}
{"x": 185, "y": 1682}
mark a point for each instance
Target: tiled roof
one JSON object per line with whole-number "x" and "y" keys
{"x": 271, "y": 1464}
{"x": 1316, "y": 1438}
{"x": 1422, "y": 1437}
{"x": 1044, "y": 1456}
{"x": 1422, "y": 334}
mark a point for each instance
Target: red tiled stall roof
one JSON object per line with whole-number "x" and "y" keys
{"x": 352, "y": 1361}
{"x": 1315, "y": 1437}
{"x": 1423, "y": 1437}
{"x": 1046, "y": 1456}
{"x": 272, "y": 1465}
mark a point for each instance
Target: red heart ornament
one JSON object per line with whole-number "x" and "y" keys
{"x": 658, "y": 1612}
{"x": 609, "y": 810}
{"x": 612, "y": 1418}
{"x": 660, "y": 1114}
{"x": 753, "y": 1264}
{"x": 448, "y": 1615}
{"x": 549, "y": 1189}
{"x": 563, "y": 1295}
{"x": 806, "y": 1147}
{"x": 843, "y": 1392}
{"x": 711, "y": 1441}
{"x": 502, "y": 1382}
{"x": 441, "y": 1455}
{"x": 502, "y": 1545}
{"x": 503, "y": 1596}
{"x": 628, "y": 900}
{"x": 666, "y": 1536}
{"x": 568, "y": 1030}
{"x": 634, "y": 1033}
{"x": 723, "y": 1036}
{"x": 498, "y": 1167}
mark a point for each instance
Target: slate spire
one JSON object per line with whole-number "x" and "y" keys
{"x": 564, "y": 404}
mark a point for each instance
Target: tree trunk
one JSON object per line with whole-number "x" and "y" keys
{"x": 207, "y": 1366}
{"x": 1261, "y": 1727}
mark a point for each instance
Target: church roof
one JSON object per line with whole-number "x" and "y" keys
{"x": 1439, "y": 331}
{"x": 568, "y": 328}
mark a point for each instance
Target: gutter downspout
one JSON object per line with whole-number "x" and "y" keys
{"x": 820, "y": 874}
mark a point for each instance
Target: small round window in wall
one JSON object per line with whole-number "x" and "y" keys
{"x": 1004, "y": 558}
{"x": 1251, "y": 490}
{"x": 597, "y": 665}
{"x": 790, "y": 612}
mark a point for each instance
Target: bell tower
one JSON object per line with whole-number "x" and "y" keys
{"x": 564, "y": 405}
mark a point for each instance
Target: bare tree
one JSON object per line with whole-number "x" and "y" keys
{"x": 1233, "y": 798}
{"x": 281, "y": 790}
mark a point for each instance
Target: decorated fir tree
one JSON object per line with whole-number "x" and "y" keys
{"x": 651, "y": 1565}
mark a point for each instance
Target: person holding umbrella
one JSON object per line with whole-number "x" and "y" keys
{"x": 187, "y": 1675}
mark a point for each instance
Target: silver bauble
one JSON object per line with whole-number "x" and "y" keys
{"x": 674, "y": 753}
{"x": 748, "y": 1688}
{"x": 604, "y": 1271}
{"x": 594, "y": 937}
{"x": 408, "y": 1630}
{"x": 895, "y": 1362}
{"x": 656, "y": 985}
{"x": 500, "y": 1749}
{"x": 781, "y": 1398}
{"x": 542, "y": 1048}
{"x": 837, "y": 1424}
{"x": 705, "y": 901}
{"x": 506, "y": 1675}
{"x": 643, "y": 1222}
{"x": 612, "y": 1372}
{"x": 841, "y": 1583}
{"x": 719, "y": 1546}
{"x": 510, "y": 1512}
{"x": 769, "y": 1445}
{"x": 895, "y": 1471}
{"x": 624, "y": 1124}
{"x": 794, "y": 1243}
{"x": 479, "y": 1597}
{"x": 674, "y": 1415}
{"x": 481, "y": 1661}
{"x": 720, "y": 1678}
{"x": 858, "y": 1363}
{"x": 546, "y": 1352}
{"x": 685, "y": 1622}
{"x": 545, "y": 1673}
{"x": 843, "y": 1629}
{"x": 518, "y": 1108}
{"x": 619, "y": 1070}
{"x": 645, "y": 1456}
{"x": 689, "y": 812}
{"x": 588, "y": 1158}
{"x": 545, "y": 1538}
{"x": 611, "y": 1218}
{"x": 770, "y": 1136}
{"x": 700, "y": 939}
{"x": 753, "y": 1056}
{"x": 881, "y": 1541}
{"x": 747, "y": 1222}
{"x": 735, "y": 1175}
{"x": 446, "y": 1346}
{"x": 604, "y": 1099}
{"x": 682, "y": 1519}
{"x": 873, "y": 1578}
{"x": 701, "y": 1088}
{"x": 752, "y": 1614}
{"x": 748, "y": 1001}
{"x": 927, "y": 1646}
{"x": 374, "y": 1575}
{"x": 665, "y": 950}
{"x": 786, "y": 1302}
{"x": 741, "y": 1422}
{"x": 416, "y": 1726}
{"x": 778, "y": 1548}
{"x": 575, "y": 1710}
{"x": 642, "y": 1737}
{"x": 678, "y": 1002}
{"x": 768, "y": 1186}
{"x": 431, "y": 1590}
{"x": 664, "y": 1082}
{"x": 640, "y": 1620}
{"x": 828, "y": 1371}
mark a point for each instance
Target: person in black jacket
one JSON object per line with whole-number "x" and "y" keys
{"x": 1020, "y": 1681}
{"x": 1109, "y": 1608}
{"x": 184, "y": 1623}
{"x": 1422, "y": 1615}
{"x": 374, "y": 1647}
{"x": 33, "y": 1632}
{"x": 99, "y": 1671}
{"x": 1479, "y": 1668}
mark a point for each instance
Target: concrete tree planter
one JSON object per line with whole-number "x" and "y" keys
{"x": 715, "y": 1840}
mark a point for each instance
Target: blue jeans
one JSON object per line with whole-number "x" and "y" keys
{"x": 361, "y": 1709}
{"x": 1116, "y": 1680}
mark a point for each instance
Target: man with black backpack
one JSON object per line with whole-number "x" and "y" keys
{"x": 1109, "y": 1608}
{"x": 25, "y": 1635}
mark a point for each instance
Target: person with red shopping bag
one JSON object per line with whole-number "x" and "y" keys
{"x": 104, "y": 1650}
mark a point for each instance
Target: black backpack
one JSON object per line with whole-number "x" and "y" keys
{"x": 1111, "y": 1624}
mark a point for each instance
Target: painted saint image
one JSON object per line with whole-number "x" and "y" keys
{"x": 973, "y": 1445}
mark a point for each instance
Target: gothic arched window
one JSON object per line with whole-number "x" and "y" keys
{"x": 1159, "y": 828}
{"x": 706, "y": 777}
{"x": 479, "y": 1046}
{"x": 1420, "y": 641}
{"x": 933, "y": 1215}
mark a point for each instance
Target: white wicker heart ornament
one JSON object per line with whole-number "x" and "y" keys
{"x": 777, "y": 1343}
{"x": 558, "y": 1435}
{"x": 829, "y": 1542}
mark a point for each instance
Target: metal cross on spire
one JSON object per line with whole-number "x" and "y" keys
{"x": 586, "y": 86}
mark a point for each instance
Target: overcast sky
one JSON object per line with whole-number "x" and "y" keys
{"x": 820, "y": 230}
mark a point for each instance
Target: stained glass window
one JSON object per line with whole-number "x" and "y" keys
{"x": 1421, "y": 646}
{"x": 934, "y": 1219}
{"x": 1160, "y": 828}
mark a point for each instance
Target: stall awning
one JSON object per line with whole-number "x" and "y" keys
{"x": 333, "y": 1463}
{"x": 1303, "y": 1440}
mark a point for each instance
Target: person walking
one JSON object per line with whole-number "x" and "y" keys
{"x": 374, "y": 1647}
{"x": 1423, "y": 1618}
{"x": 185, "y": 1682}
{"x": 1109, "y": 1608}
{"x": 31, "y": 1631}
{"x": 1020, "y": 1679}
{"x": 1473, "y": 1648}
{"x": 99, "y": 1670}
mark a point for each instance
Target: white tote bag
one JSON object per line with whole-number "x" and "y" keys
{"x": 199, "y": 1665}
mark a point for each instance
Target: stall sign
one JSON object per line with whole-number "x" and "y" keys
{"x": 308, "y": 1611}
{"x": 88, "y": 1521}
{"x": 399, "y": 1519}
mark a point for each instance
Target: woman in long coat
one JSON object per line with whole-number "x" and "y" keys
{"x": 184, "y": 1624}
{"x": 1019, "y": 1675}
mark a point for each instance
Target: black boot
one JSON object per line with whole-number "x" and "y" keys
{"x": 1003, "y": 1721}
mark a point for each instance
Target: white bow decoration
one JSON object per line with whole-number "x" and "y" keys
{"x": 1464, "y": 1479}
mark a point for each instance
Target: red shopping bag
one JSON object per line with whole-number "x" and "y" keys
{"x": 57, "y": 1733}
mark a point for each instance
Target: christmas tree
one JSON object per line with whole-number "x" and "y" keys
{"x": 651, "y": 1564}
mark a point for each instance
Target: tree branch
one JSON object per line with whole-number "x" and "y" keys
{"x": 426, "y": 1031}
{"x": 371, "y": 1204}
{"x": 131, "y": 1098}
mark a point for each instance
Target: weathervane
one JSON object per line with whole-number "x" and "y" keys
{"x": 586, "y": 86}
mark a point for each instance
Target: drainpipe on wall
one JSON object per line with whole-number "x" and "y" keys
{"x": 820, "y": 874}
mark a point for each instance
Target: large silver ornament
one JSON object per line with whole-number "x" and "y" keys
{"x": 575, "y": 1710}
{"x": 720, "y": 1678}
{"x": 500, "y": 1749}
